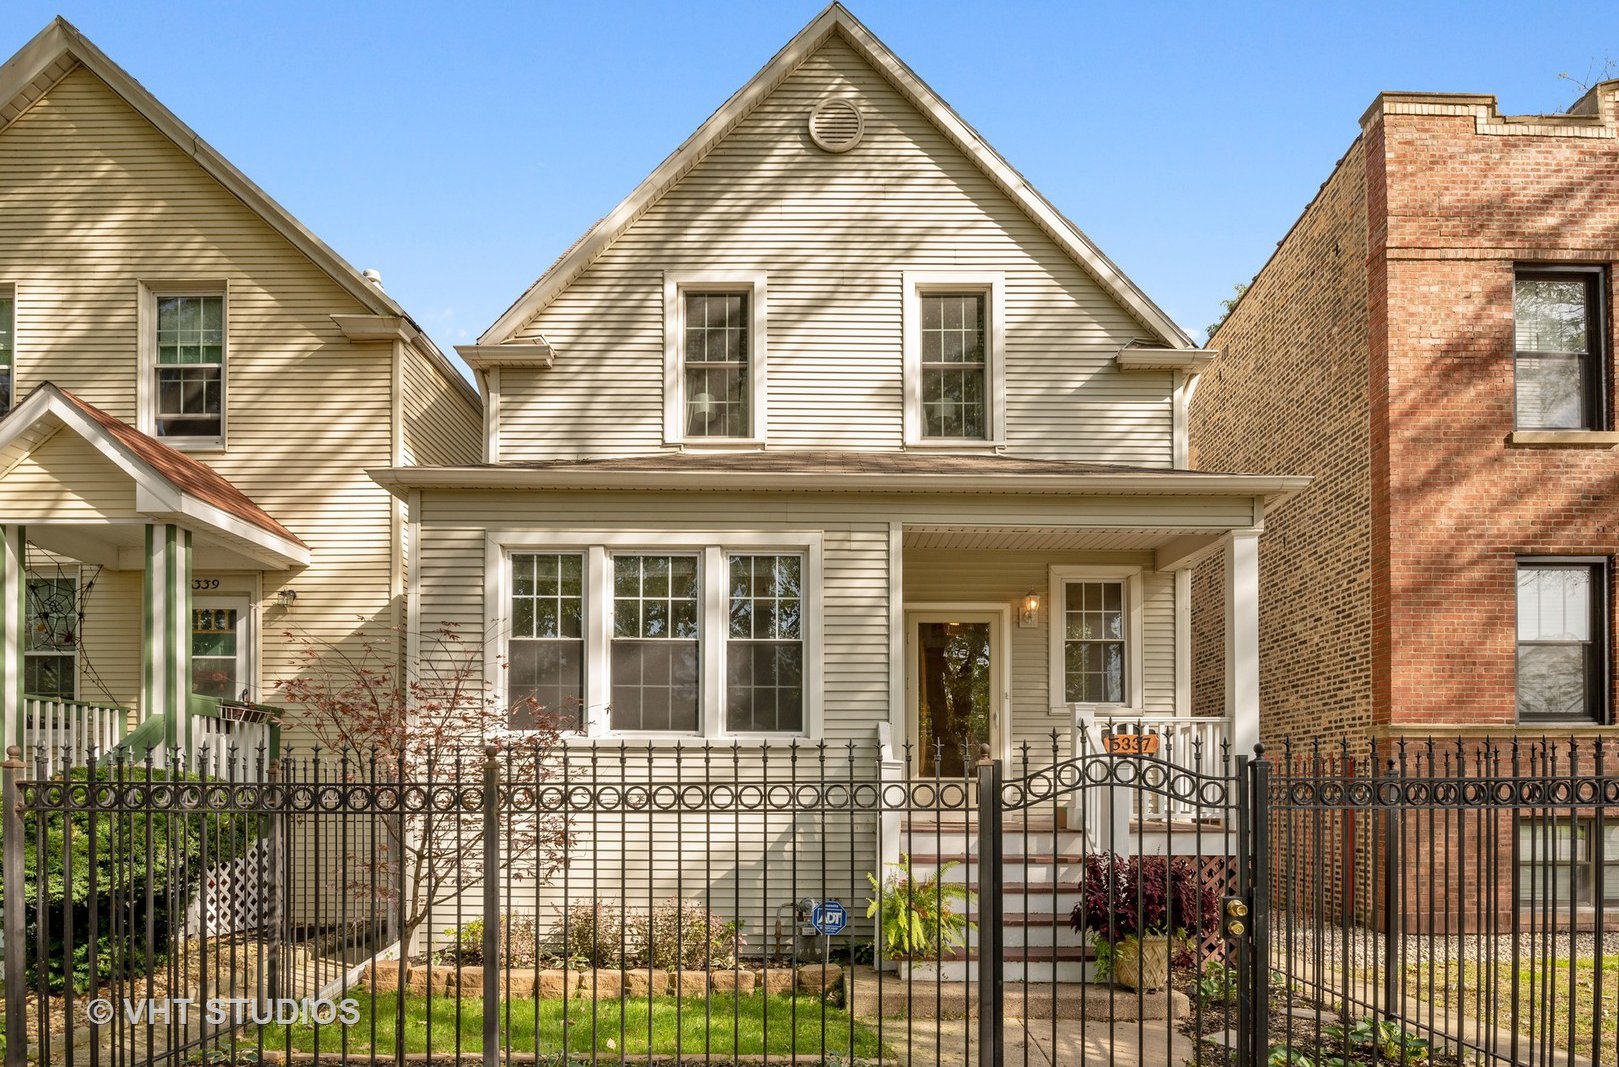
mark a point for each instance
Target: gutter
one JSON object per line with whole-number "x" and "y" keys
{"x": 1171, "y": 483}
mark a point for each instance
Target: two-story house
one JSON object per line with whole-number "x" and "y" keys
{"x": 194, "y": 386}
{"x": 834, "y": 430}
{"x": 1434, "y": 341}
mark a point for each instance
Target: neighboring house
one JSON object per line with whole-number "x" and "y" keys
{"x": 196, "y": 385}
{"x": 1434, "y": 341}
{"x": 833, "y": 430}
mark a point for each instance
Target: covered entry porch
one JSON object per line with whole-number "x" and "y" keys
{"x": 107, "y": 643}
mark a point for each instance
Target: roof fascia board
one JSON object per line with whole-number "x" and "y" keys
{"x": 1168, "y": 484}
{"x": 836, "y": 18}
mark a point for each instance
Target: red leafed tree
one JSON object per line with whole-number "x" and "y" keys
{"x": 373, "y": 720}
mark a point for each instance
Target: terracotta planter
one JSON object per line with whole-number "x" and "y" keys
{"x": 1141, "y": 963}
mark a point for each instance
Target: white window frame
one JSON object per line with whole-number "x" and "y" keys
{"x": 1056, "y": 598}
{"x": 146, "y": 382}
{"x": 73, "y": 574}
{"x": 993, "y": 285}
{"x": 246, "y": 638}
{"x": 675, "y": 286}
{"x": 712, "y": 548}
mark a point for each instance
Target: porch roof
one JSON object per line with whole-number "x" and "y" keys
{"x": 837, "y": 471}
{"x": 169, "y": 485}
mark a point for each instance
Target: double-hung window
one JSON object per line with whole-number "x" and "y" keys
{"x": 955, "y": 365}
{"x": 715, "y": 354}
{"x": 656, "y": 664}
{"x": 1559, "y": 326}
{"x": 954, "y": 384}
{"x": 764, "y": 654}
{"x": 546, "y": 654}
{"x": 8, "y": 358}
{"x": 1562, "y": 662}
{"x": 188, "y": 390}
{"x": 1095, "y": 625}
{"x": 50, "y": 645}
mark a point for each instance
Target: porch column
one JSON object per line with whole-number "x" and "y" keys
{"x": 1242, "y": 640}
{"x": 166, "y": 613}
{"x": 13, "y": 616}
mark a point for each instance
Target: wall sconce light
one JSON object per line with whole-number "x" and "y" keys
{"x": 1029, "y": 613}
{"x": 287, "y": 598}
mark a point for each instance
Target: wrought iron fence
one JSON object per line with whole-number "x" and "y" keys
{"x": 1446, "y": 900}
{"x": 816, "y": 902}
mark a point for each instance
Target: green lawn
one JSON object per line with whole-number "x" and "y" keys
{"x": 1542, "y": 994}
{"x": 694, "y": 1032}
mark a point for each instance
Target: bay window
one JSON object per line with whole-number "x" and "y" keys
{"x": 694, "y": 634}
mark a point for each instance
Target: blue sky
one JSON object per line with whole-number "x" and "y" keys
{"x": 458, "y": 148}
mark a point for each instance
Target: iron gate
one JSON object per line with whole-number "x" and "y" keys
{"x": 619, "y": 904}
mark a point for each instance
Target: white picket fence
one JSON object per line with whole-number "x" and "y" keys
{"x": 1197, "y": 744}
{"x": 230, "y": 747}
{"x": 59, "y": 732}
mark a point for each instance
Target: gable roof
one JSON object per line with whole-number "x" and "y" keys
{"x": 59, "y": 48}
{"x": 172, "y": 483}
{"x": 835, "y": 19}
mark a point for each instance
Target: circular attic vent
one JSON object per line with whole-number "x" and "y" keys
{"x": 836, "y": 125}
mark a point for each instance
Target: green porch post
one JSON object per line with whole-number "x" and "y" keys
{"x": 166, "y": 614}
{"x": 13, "y": 616}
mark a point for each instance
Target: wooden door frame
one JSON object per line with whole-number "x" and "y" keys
{"x": 999, "y": 616}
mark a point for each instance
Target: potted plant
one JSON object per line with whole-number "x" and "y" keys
{"x": 920, "y": 919}
{"x": 1134, "y": 905}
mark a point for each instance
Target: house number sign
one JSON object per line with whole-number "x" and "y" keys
{"x": 205, "y": 583}
{"x": 1130, "y": 744}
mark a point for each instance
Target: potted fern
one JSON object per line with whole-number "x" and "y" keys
{"x": 1134, "y": 905}
{"x": 920, "y": 919}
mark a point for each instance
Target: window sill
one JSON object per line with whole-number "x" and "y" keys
{"x": 203, "y": 446}
{"x": 1563, "y": 438}
{"x": 719, "y": 444}
{"x": 955, "y": 444}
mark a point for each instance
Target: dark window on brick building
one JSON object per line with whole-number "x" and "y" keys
{"x": 1559, "y": 326}
{"x": 1562, "y": 640}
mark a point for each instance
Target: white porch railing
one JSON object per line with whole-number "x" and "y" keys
{"x": 59, "y": 732}
{"x": 233, "y": 742}
{"x": 1196, "y": 744}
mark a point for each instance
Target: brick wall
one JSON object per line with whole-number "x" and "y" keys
{"x": 1463, "y": 207}
{"x": 1289, "y": 396}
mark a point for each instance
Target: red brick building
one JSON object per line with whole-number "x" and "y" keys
{"x": 1434, "y": 340}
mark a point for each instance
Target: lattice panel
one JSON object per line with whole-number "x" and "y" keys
{"x": 232, "y": 897}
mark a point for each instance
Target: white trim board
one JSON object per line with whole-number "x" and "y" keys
{"x": 836, "y": 19}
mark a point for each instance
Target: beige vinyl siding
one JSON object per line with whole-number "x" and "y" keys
{"x": 96, "y": 201}
{"x": 66, "y": 479}
{"x": 834, "y": 233}
{"x": 1004, "y": 577}
{"x": 454, "y": 526}
{"x": 441, "y": 426}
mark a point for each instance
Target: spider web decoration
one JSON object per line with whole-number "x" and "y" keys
{"x": 55, "y": 612}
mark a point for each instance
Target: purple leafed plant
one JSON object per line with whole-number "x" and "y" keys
{"x": 1144, "y": 896}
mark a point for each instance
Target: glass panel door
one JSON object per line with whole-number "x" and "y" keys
{"x": 955, "y": 683}
{"x": 219, "y": 648}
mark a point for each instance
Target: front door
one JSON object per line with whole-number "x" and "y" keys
{"x": 954, "y": 682}
{"x": 220, "y": 666}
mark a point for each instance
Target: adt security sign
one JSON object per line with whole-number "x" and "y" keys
{"x": 829, "y": 918}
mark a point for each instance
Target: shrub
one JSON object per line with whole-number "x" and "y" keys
{"x": 518, "y": 934}
{"x": 593, "y": 936}
{"x": 680, "y": 934}
{"x": 920, "y": 917}
{"x": 136, "y": 853}
{"x": 1144, "y": 896}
